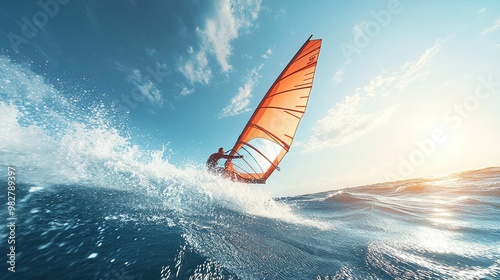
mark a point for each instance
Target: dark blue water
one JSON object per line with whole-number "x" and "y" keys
{"x": 440, "y": 228}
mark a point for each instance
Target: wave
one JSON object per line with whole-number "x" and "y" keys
{"x": 348, "y": 198}
{"x": 54, "y": 138}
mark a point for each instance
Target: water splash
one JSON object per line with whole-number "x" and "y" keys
{"x": 58, "y": 138}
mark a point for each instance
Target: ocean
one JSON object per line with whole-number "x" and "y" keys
{"x": 81, "y": 201}
{"x": 434, "y": 228}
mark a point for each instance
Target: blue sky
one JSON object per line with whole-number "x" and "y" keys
{"x": 403, "y": 89}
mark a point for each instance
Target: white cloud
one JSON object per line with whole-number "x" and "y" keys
{"x": 145, "y": 87}
{"x": 344, "y": 123}
{"x": 379, "y": 83}
{"x": 151, "y": 52}
{"x": 358, "y": 29}
{"x": 91, "y": 16}
{"x": 196, "y": 68}
{"x": 408, "y": 73}
{"x": 232, "y": 18}
{"x": 339, "y": 75}
{"x": 481, "y": 11}
{"x": 239, "y": 103}
{"x": 186, "y": 91}
{"x": 281, "y": 13}
{"x": 347, "y": 130}
{"x": 340, "y": 115}
{"x": 414, "y": 70}
{"x": 268, "y": 53}
{"x": 492, "y": 28}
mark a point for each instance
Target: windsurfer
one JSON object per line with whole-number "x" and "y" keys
{"x": 212, "y": 168}
{"x": 264, "y": 142}
{"x": 213, "y": 160}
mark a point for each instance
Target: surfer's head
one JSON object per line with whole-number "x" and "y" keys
{"x": 221, "y": 150}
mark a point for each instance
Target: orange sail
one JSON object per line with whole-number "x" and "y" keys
{"x": 269, "y": 133}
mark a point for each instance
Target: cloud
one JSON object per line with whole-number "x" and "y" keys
{"x": 152, "y": 53}
{"x": 281, "y": 13}
{"x": 144, "y": 86}
{"x": 231, "y": 19}
{"x": 338, "y": 116}
{"x": 492, "y": 28}
{"x": 379, "y": 83}
{"x": 408, "y": 73}
{"x": 358, "y": 29}
{"x": 268, "y": 53}
{"x": 144, "y": 89}
{"x": 239, "y": 103}
{"x": 344, "y": 123}
{"x": 186, "y": 91}
{"x": 412, "y": 71}
{"x": 339, "y": 75}
{"x": 196, "y": 69}
{"x": 91, "y": 16}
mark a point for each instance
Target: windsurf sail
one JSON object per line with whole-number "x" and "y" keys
{"x": 269, "y": 133}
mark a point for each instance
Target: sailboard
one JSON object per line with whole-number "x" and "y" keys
{"x": 269, "y": 133}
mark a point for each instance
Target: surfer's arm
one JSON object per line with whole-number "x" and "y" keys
{"x": 228, "y": 156}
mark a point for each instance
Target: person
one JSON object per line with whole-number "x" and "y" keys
{"x": 214, "y": 158}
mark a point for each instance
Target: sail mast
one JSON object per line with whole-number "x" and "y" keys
{"x": 264, "y": 98}
{"x": 270, "y": 130}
